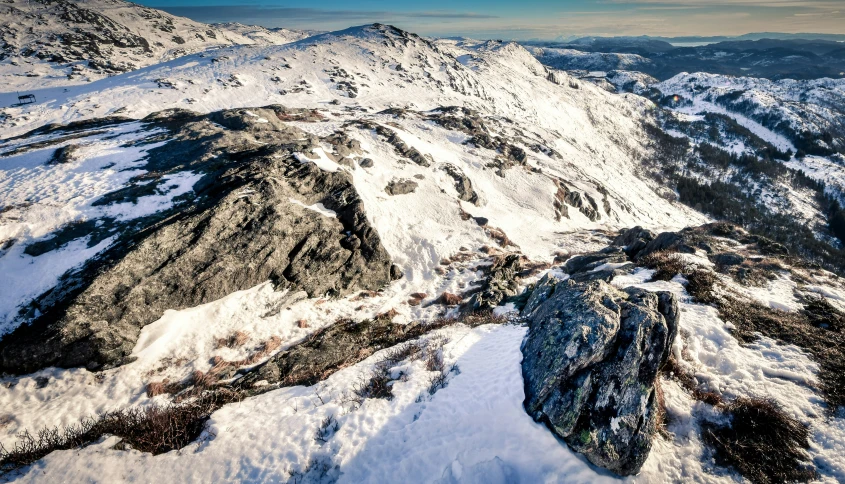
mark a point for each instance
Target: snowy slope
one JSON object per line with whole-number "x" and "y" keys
{"x": 255, "y": 34}
{"x": 585, "y": 137}
{"x": 68, "y": 42}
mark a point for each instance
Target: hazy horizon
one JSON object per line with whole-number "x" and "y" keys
{"x": 533, "y": 19}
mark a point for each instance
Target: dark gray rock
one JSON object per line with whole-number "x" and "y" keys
{"x": 239, "y": 230}
{"x": 584, "y": 203}
{"x": 401, "y": 187}
{"x": 590, "y": 361}
{"x": 728, "y": 259}
{"x": 392, "y": 138}
{"x": 634, "y": 240}
{"x": 65, "y": 154}
{"x": 336, "y": 346}
{"x": 605, "y": 275}
{"x": 463, "y": 185}
{"x": 501, "y": 282}
{"x": 588, "y": 262}
{"x": 666, "y": 241}
{"x": 366, "y": 163}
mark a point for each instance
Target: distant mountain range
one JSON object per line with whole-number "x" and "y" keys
{"x": 716, "y": 38}
{"x": 769, "y": 58}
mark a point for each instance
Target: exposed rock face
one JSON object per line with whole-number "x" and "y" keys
{"x": 499, "y": 284}
{"x": 584, "y": 203}
{"x": 469, "y": 122}
{"x": 242, "y": 228}
{"x": 588, "y": 267}
{"x": 400, "y": 146}
{"x": 330, "y": 349}
{"x": 590, "y": 363}
{"x": 401, "y": 187}
{"x": 634, "y": 240}
{"x": 463, "y": 185}
{"x": 638, "y": 242}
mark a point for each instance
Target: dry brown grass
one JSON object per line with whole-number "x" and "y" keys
{"x": 673, "y": 370}
{"x": 201, "y": 381}
{"x": 665, "y": 264}
{"x": 701, "y": 284}
{"x": 449, "y": 299}
{"x": 234, "y": 340}
{"x": 762, "y": 442}
{"x": 155, "y": 429}
{"x": 827, "y": 347}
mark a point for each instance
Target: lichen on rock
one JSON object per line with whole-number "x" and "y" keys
{"x": 591, "y": 359}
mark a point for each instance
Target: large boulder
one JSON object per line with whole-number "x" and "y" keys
{"x": 590, "y": 362}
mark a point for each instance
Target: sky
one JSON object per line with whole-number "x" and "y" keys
{"x": 529, "y": 19}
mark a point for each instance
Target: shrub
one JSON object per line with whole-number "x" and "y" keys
{"x": 762, "y": 442}
{"x": 700, "y": 284}
{"x": 666, "y": 264}
{"x": 155, "y": 429}
{"x": 328, "y": 427}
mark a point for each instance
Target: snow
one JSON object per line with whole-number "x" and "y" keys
{"x": 763, "y": 369}
{"x": 167, "y": 37}
{"x": 474, "y": 429}
{"x": 40, "y": 198}
{"x": 320, "y": 159}
{"x": 317, "y": 207}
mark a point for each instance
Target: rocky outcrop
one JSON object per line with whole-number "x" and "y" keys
{"x": 638, "y": 242}
{"x": 401, "y": 187}
{"x": 470, "y": 122}
{"x": 590, "y": 362}
{"x": 501, "y": 282}
{"x": 584, "y": 203}
{"x": 602, "y": 265}
{"x": 246, "y": 223}
{"x": 463, "y": 184}
{"x": 401, "y": 148}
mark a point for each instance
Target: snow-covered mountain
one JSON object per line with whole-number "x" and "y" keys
{"x": 571, "y": 59}
{"x": 262, "y": 35}
{"x": 336, "y": 260}
{"x": 63, "y": 42}
{"x": 809, "y": 114}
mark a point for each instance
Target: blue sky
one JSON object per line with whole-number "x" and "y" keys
{"x": 527, "y": 19}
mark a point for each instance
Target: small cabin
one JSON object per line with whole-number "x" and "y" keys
{"x": 26, "y": 99}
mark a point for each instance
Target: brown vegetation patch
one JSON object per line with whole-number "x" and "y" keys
{"x": 499, "y": 236}
{"x": 701, "y": 284}
{"x": 379, "y": 383}
{"x": 155, "y": 429}
{"x": 162, "y": 428}
{"x": 449, "y": 299}
{"x": 827, "y": 347}
{"x": 666, "y": 265}
{"x": 762, "y": 442}
{"x": 673, "y": 370}
{"x": 234, "y": 340}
